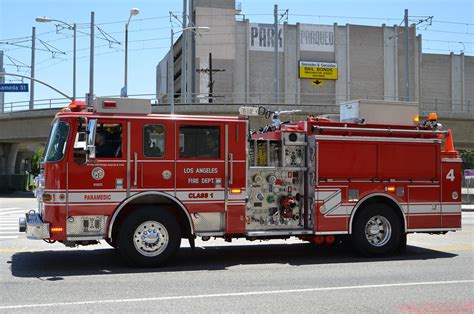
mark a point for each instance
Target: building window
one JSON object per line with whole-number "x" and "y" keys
{"x": 154, "y": 140}
{"x": 199, "y": 141}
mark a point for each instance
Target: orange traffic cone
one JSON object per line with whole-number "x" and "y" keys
{"x": 448, "y": 144}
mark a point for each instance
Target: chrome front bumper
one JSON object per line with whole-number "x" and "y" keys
{"x": 34, "y": 226}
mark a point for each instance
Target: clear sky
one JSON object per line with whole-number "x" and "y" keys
{"x": 452, "y": 29}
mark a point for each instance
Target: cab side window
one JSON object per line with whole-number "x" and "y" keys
{"x": 199, "y": 141}
{"x": 108, "y": 140}
{"x": 153, "y": 141}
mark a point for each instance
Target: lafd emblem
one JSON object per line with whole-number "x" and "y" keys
{"x": 98, "y": 173}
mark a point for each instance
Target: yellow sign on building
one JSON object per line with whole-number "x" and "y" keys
{"x": 318, "y": 70}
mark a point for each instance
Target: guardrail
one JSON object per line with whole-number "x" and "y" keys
{"x": 327, "y": 102}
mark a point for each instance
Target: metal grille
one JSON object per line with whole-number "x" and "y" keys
{"x": 35, "y": 228}
{"x": 79, "y": 226}
{"x": 208, "y": 222}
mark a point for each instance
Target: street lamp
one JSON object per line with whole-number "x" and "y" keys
{"x": 133, "y": 12}
{"x": 171, "y": 62}
{"x": 73, "y": 27}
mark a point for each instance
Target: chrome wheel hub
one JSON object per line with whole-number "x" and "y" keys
{"x": 150, "y": 238}
{"x": 378, "y": 231}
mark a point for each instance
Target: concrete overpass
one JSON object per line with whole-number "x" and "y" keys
{"x": 21, "y": 132}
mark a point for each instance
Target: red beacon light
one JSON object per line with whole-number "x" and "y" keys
{"x": 77, "y": 106}
{"x": 109, "y": 104}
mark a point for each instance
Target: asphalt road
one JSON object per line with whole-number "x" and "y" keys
{"x": 435, "y": 275}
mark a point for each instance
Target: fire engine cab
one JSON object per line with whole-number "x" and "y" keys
{"x": 144, "y": 181}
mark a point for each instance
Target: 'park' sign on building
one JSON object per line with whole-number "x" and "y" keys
{"x": 262, "y": 37}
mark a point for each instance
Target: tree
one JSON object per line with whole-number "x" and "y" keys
{"x": 36, "y": 160}
{"x": 467, "y": 159}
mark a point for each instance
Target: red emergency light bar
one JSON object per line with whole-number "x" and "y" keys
{"x": 109, "y": 104}
{"x": 77, "y": 106}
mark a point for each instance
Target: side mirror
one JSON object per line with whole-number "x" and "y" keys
{"x": 90, "y": 144}
{"x": 82, "y": 120}
{"x": 80, "y": 156}
{"x": 91, "y": 151}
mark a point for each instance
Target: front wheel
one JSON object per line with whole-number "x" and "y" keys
{"x": 377, "y": 231}
{"x": 149, "y": 237}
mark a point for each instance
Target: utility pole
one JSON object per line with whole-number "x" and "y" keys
{"x": 2, "y": 80}
{"x": 184, "y": 49}
{"x": 277, "y": 62}
{"x": 210, "y": 71}
{"x": 32, "y": 73}
{"x": 90, "y": 97}
{"x": 171, "y": 74}
{"x": 124, "y": 92}
{"x": 74, "y": 64}
{"x": 406, "y": 76}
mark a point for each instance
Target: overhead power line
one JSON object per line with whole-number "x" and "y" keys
{"x": 447, "y": 32}
{"x": 449, "y": 41}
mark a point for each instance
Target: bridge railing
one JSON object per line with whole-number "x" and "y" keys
{"x": 316, "y": 101}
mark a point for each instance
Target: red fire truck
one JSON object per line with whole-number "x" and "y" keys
{"x": 143, "y": 181}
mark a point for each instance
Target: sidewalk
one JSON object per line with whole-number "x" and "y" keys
{"x": 467, "y": 207}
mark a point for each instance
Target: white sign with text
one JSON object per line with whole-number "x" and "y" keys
{"x": 317, "y": 37}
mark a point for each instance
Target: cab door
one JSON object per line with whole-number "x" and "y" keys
{"x": 153, "y": 156}
{"x": 98, "y": 184}
{"x": 201, "y": 172}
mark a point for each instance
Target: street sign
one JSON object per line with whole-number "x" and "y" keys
{"x": 317, "y": 82}
{"x": 123, "y": 91}
{"x": 318, "y": 70}
{"x": 469, "y": 173}
{"x": 13, "y": 87}
{"x": 248, "y": 111}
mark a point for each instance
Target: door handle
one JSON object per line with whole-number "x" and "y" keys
{"x": 231, "y": 162}
{"x": 135, "y": 170}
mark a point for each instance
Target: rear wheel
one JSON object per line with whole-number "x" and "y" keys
{"x": 377, "y": 231}
{"x": 149, "y": 237}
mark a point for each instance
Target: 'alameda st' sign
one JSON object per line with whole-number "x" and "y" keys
{"x": 13, "y": 87}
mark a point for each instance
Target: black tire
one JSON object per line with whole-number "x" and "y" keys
{"x": 377, "y": 231}
{"x": 149, "y": 237}
{"x": 402, "y": 247}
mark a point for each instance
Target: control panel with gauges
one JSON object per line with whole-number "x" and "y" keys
{"x": 278, "y": 182}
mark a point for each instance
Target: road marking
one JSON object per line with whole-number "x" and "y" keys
{"x": 453, "y": 248}
{"x": 7, "y": 237}
{"x": 234, "y": 294}
{"x": 17, "y": 251}
{"x": 9, "y": 232}
{"x": 12, "y": 211}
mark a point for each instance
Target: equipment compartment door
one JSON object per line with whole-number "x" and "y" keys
{"x": 451, "y": 193}
{"x": 424, "y": 207}
{"x": 236, "y": 177}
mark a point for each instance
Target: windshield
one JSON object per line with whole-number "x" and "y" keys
{"x": 57, "y": 141}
